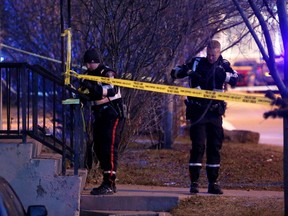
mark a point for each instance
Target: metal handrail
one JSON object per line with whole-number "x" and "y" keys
{"x": 33, "y": 102}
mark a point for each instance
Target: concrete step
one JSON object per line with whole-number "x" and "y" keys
{"x": 82, "y": 173}
{"x": 48, "y": 165}
{"x": 20, "y": 152}
{"x": 132, "y": 200}
{"x": 36, "y": 146}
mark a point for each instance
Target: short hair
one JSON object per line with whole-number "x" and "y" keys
{"x": 214, "y": 44}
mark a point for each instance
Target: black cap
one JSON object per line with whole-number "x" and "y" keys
{"x": 91, "y": 56}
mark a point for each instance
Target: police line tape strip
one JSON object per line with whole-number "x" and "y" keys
{"x": 158, "y": 87}
{"x": 183, "y": 91}
{"x": 67, "y": 33}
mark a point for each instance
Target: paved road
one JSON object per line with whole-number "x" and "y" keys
{"x": 246, "y": 116}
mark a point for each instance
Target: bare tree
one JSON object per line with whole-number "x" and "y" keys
{"x": 266, "y": 13}
{"x": 33, "y": 26}
{"x": 142, "y": 40}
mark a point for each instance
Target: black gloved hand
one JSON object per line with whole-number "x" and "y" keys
{"x": 196, "y": 80}
{"x": 179, "y": 71}
{"x": 93, "y": 90}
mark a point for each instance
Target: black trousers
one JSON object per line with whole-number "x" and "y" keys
{"x": 107, "y": 128}
{"x": 206, "y": 134}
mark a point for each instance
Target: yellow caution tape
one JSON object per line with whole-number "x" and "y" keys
{"x": 176, "y": 90}
{"x": 67, "y": 33}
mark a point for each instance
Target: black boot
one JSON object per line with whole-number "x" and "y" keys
{"x": 103, "y": 189}
{"x": 107, "y": 187}
{"x": 214, "y": 188}
{"x": 194, "y": 176}
{"x": 194, "y": 188}
{"x": 212, "y": 175}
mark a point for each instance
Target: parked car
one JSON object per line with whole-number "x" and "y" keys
{"x": 252, "y": 73}
{"x": 265, "y": 76}
{"x": 247, "y": 72}
{"x": 11, "y": 205}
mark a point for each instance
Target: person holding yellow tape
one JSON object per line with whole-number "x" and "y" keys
{"x": 206, "y": 131}
{"x": 107, "y": 107}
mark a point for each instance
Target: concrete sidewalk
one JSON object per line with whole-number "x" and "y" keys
{"x": 139, "y": 200}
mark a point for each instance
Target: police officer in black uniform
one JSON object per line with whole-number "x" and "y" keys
{"x": 206, "y": 131}
{"x": 107, "y": 108}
